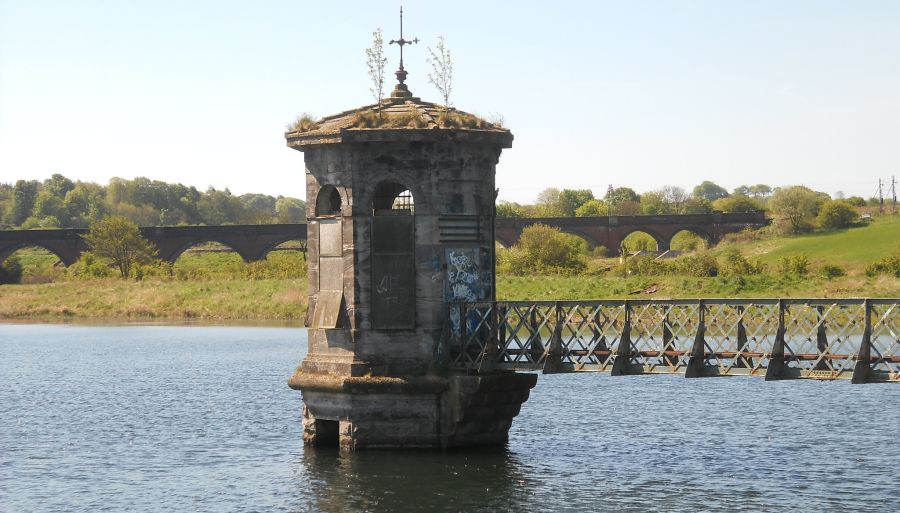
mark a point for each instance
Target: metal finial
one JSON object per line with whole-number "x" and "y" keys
{"x": 401, "y": 90}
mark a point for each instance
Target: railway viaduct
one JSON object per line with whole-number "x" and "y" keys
{"x": 253, "y": 242}
{"x": 611, "y": 231}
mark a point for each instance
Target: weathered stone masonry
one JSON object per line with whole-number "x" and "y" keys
{"x": 383, "y": 263}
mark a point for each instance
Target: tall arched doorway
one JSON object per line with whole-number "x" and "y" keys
{"x": 393, "y": 258}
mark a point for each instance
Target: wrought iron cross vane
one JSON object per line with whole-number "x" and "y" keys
{"x": 400, "y": 42}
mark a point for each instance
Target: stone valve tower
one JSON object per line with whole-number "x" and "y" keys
{"x": 401, "y": 217}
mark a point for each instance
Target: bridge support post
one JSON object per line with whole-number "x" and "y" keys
{"x": 862, "y": 369}
{"x": 740, "y": 360}
{"x": 622, "y": 360}
{"x": 695, "y": 363}
{"x": 671, "y": 361}
{"x": 775, "y": 369}
{"x": 821, "y": 338}
{"x": 554, "y": 351}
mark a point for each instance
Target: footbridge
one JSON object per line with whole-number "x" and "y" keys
{"x": 824, "y": 339}
{"x": 251, "y": 242}
{"x": 610, "y": 231}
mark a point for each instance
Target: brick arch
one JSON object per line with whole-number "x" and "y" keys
{"x": 268, "y": 249}
{"x": 7, "y": 251}
{"x": 173, "y": 256}
{"x": 591, "y": 241}
{"x": 662, "y": 242}
{"x": 696, "y": 230}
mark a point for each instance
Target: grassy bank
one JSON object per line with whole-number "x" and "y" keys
{"x": 112, "y": 298}
{"x": 514, "y": 288}
{"x": 219, "y": 286}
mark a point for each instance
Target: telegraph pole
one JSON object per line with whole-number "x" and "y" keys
{"x": 609, "y": 201}
{"x": 893, "y": 194}
{"x": 880, "y": 198}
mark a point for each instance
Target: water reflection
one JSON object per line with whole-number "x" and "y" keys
{"x": 415, "y": 481}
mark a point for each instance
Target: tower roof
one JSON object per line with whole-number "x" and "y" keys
{"x": 398, "y": 119}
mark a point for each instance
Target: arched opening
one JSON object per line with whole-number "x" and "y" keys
{"x": 328, "y": 202}
{"x": 688, "y": 240}
{"x": 393, "y": 198}
{"x": 393, "y": 258}
{"x": 30, "y": 264}
{"x": 207, "y": 259}
{"x": 286, "y": 259}
{"x": 638, "y": 242}
{"x": 586, "y": 243}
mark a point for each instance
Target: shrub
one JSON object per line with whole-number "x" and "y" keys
{"x": 153, "y": 269}
{"x": 304, "y": 123}
{"x": 701, "y": 265}
{"x": 639, "y": 241}
{"x": 374, "y": 119}
{"x": 836, "y": 214}
{"x": 90, "y": 265}
{"x": 687, "y": 241}
{"x": 889, "y": 265}
{"x": 795, "y": 207}
{"x": 542, "y": 249}
{"x": 794, "y": 265}
{"x": 643, "y": 266}
{"x": 600, "y": 252}
{"x": 735, "y": 264}
{"x": 11, "y": 270}
{"x": 747, "y": 234}
{"x": 831, "y": 271}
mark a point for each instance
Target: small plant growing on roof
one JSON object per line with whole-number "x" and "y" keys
{"x": 304, "y": 123}
{"x": 442, "y": 71}
{"x": 376, "y": 61}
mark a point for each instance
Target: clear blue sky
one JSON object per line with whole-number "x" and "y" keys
{"x": 633, "y": 93}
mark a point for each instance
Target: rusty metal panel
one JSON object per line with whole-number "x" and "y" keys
{"x": 328, "y": 309}
{"x": 330, "y": 240}
{"x": 393, "y": 273}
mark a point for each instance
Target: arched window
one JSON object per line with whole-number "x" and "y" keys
{"x": 393, "y": 198}
{"x": 328, "y": 203}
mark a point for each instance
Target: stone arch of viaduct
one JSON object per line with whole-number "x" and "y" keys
{"x": 611, "y": 231}
{"x": 251, "y": 242}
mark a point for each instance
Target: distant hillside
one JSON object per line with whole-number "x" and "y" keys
{"x": 853, "y": 248}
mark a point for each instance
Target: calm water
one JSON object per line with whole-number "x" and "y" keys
{"x": 201, "y": 419}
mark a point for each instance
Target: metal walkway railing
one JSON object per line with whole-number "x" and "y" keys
{"x": 856, "y": 339}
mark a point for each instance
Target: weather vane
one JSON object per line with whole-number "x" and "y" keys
{"x": 401, "y": 89}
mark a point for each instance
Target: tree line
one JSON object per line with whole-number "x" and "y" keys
{"x": 795, "y": 208}
{"x": 59, "y": 202}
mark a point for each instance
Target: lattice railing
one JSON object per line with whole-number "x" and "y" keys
{"x": 856, "y": 339}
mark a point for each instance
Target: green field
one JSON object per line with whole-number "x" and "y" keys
{"x": 853, "y": 248}
{"x": 215, "y": 285}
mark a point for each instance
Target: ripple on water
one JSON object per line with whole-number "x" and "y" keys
{"x": 128, "y": 418}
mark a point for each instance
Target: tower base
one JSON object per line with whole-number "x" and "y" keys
{"x": 430, "y": 412}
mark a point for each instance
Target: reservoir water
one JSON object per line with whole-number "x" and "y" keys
{"x": 183, "y": 418}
